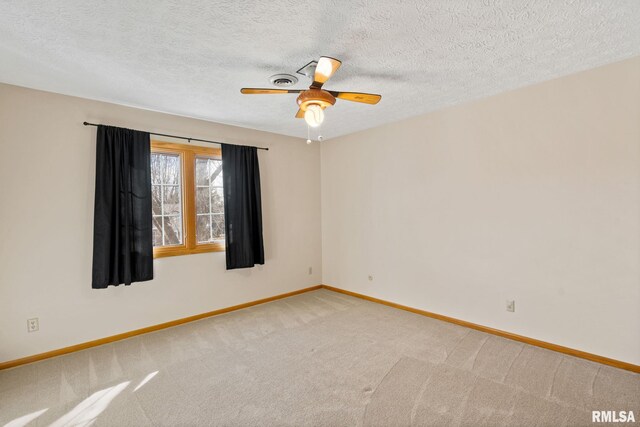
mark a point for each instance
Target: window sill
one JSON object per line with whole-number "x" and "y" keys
{"x": 168, "y": 251}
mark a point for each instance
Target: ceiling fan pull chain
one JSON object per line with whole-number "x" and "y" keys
{"x": 308, "y": 134}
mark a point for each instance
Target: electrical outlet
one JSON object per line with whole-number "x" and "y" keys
{"x": 511, "y": 306}
{"x": 33, "y": 325}
{"x": 370, "y": 278}
{"x": 310, "y": 270}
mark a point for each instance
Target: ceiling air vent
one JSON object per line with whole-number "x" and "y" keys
{"x": 283, "y": 80}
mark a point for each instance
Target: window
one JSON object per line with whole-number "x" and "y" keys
{"x": 187, "y": 199}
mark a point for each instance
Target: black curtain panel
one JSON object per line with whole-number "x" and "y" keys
{"x": 122, "y": 242}
{"x": 242, "y": 206}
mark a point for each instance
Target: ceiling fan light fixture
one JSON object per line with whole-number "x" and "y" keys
{"x": 313, "y": 101}
{"x": 324, "y": 67}
{"x": 314, "y": 115}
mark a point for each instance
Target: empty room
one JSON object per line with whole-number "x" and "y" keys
{"x": 320, "y": 213}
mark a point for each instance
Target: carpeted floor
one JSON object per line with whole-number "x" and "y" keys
{"x": 319, "y": 358}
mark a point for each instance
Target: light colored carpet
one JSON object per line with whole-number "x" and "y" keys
{"x": 322, "y": 359}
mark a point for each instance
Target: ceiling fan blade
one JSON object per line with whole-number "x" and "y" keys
{"x": 260, "y": 91}
{"x": 300, "y": 114}
{"x": 365, "y": 98}
{"x": 324, "y": 70}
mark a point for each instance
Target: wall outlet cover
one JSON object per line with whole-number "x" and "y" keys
{"x": 33, "y": 325}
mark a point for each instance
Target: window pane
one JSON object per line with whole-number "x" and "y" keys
{"x": 202, "y": 177}
{"x": 209, "y": 200}
{"x": 217, "y": 200}
{"x": 156, "y": 199}
{"x": 217, "y": 226}
{"x": 172, "y": 230}
{"x": 157, "y": 166}
{"x": 203, "y": 230}
{"x": 166, "y": 193}
{"x": 156, "y": 231}
{"x": 172, "y": 169}
{"x": 171, "y": 200}
{"x": 215, "y": 172}
{"x": 202, "y": 200}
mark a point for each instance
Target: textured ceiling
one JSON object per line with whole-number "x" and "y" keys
{"x": 192, "y": 58}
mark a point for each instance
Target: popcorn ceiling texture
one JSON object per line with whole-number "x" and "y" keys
{"x": 192, "y": 58}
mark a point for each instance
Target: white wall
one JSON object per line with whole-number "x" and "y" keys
{"x": 532, "y": 195}
{"x": 47, "y": 164}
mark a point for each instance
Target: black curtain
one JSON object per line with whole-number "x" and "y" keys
{"x": 242, "y": 206}
{"x": 122, "y": 242}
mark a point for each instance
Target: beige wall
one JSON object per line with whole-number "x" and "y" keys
{"x": 47, "y": 163}
{"x": 532, "y": 195}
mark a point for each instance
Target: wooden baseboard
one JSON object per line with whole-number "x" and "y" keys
{"x": 94, "y": 343}
{"x": 561, "y": 349}
{"x": 532, "y": 341}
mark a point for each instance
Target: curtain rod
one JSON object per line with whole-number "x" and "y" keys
{"x": 182, "y": 137}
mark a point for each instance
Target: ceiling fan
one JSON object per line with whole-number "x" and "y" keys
{"x": 314, "y": 100}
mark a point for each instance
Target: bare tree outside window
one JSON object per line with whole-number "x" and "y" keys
{"x": 209, "y": 200}
{"x": 187, "y": 199}
{"x": 166, "y": 195}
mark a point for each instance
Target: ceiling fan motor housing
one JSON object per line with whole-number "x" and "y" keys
{"x": 315, "y": 96}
